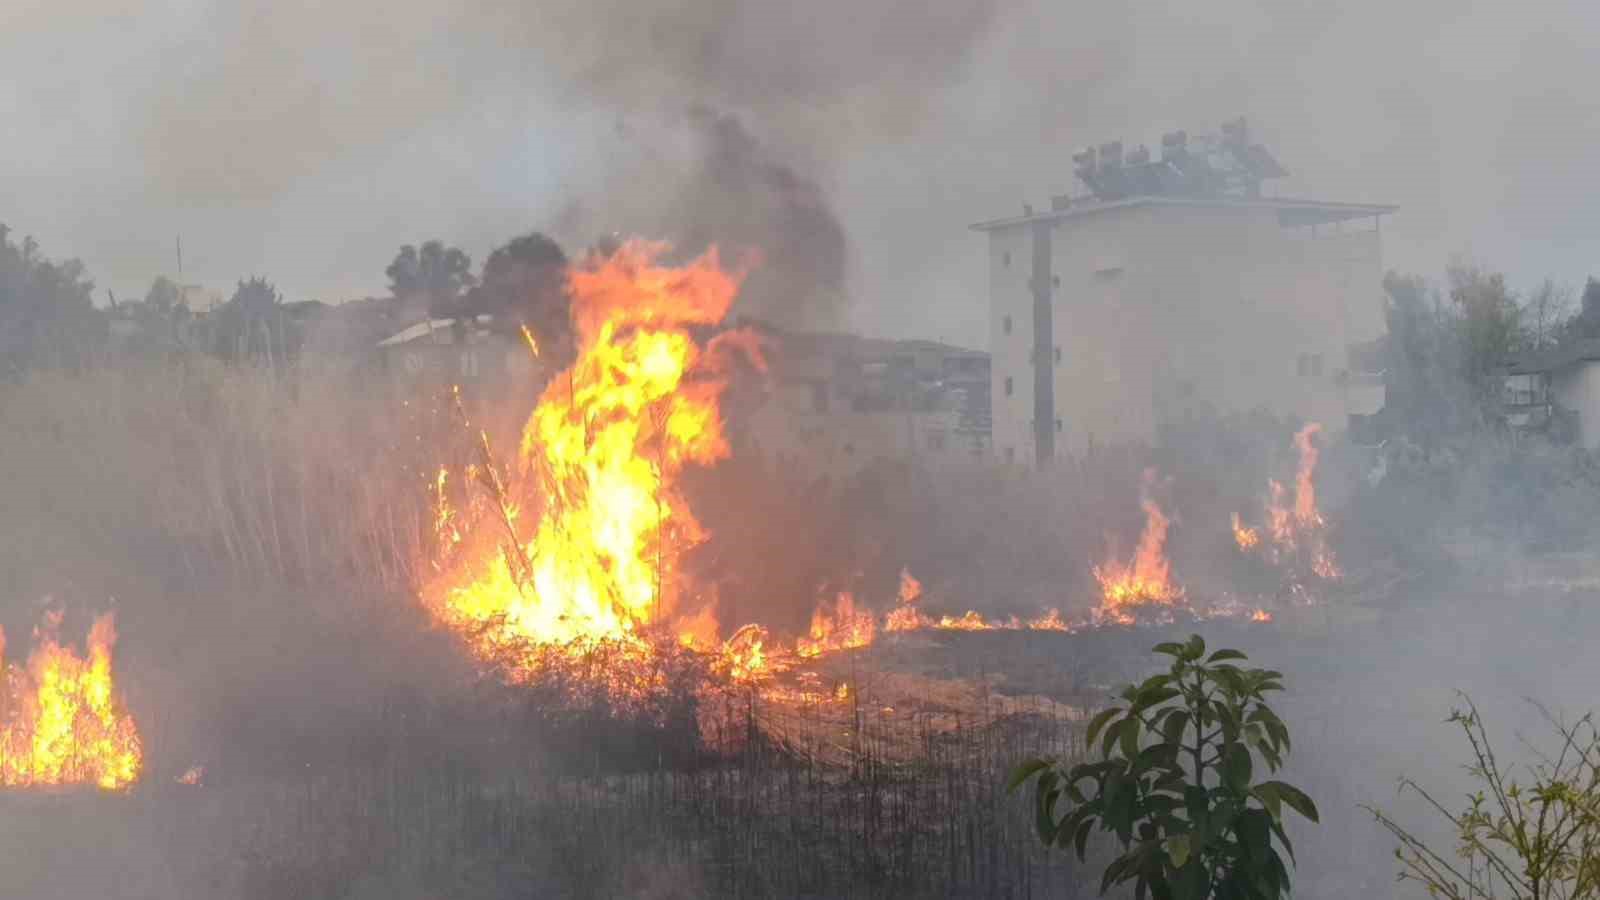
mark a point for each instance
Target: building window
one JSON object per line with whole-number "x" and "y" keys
{"x": 1005, "y": 324}
{"x": 1005, "y": 259}
{"x": 1011, "y": 454}
{"x": 1055, "y": 282}
{"x": 1058, "y": 426}
{"x": 1008, "y": 385}
{"x": 1058, "y": 354}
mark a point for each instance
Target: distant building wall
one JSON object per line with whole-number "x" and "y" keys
{"x": 1577, "y": 388}
{"x": 1160, "y": 312}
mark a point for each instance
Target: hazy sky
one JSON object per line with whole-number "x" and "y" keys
{"x": 305, "y": 144}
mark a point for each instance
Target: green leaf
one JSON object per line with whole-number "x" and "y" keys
{"x": 1295, "y": 798}
{"x": 1109, "y": 737}
{"x": 1173, "y": 727}
{"x": 1099, "y": 722}
{"x": 1154, "y": 696}
{"x": 1267, "y": 793}
{"x": 1178, "y": 849}
{"x": 1221, "y": 655}
{"x": 1025, "y": 770}
{"x": 1130, "y": 736}
{"x": 1169, "y": 648}
{"x": 1236, "y": 767}
{"x": 1277, "y": 829}
{"x": 1080, "y": 839}
{"x": 1194, "y": 647}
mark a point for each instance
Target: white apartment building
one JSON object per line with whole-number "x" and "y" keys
{"x": 1176, "y": 289}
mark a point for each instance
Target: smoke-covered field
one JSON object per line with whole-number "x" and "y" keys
{"x": 259, "y": 536}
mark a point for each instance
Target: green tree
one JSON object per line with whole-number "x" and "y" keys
{"x": 524, "y": 284}
{"x": 47, "y": 316}
{"x": 1586, "y": 324}
{"x": 435, "y": 272}
{"x": 1490, "y": 325}
{"x": 164, "y": 296}
{"x": 1175, "y": 783}
{"x": 252, "y": 324}
{"x": 1537, "y": 839}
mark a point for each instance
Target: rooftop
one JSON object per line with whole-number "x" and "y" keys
{"x": 1292, "y": 212}
{"x": 1584, "y": 350}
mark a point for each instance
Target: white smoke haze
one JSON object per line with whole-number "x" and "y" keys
{"x": 848, "y": 143}
{"x": 306, "y": 142}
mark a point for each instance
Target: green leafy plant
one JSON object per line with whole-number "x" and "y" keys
{"x": 1174, "y": 783}
{"x": 1537, "y": 839}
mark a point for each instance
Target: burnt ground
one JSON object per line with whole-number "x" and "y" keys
{"x": 901, "y": 804}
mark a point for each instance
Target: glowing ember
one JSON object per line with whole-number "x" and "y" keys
{"x": 61, "y": 721}
{"x": 969, "y": 622}
{"x": 744, "y": 657}
{"x": 837, "y": 627}
{"x": 1146, "y": 580}
{"x": 1243, "y": 535}
{"x": 598, "y": 462}
{"x": 1261, "y": 615}
{"x": 192, "y": 776}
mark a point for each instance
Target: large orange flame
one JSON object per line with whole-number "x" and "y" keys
{"x": 598, "y": 464}
{"x": 61, "y": 720}
{"x": 1145, "y": 580}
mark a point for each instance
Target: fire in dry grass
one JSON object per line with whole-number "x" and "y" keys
{"x": 1243, "y": 535}
{"x": 61, "y": 719}
{"x": 1297, "y": 530}
{"x": 838, "y": 626}
{"x": 907, "y": 615}
{"x": 1050, "y": 621}
{"x": 583, "y": 530}
{"x": 1146, "y": 579}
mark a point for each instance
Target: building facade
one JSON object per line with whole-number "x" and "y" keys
{"x": 836, "y": 403}
{"x": 1115, "y": 314}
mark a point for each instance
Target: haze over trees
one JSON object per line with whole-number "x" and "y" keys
{"x": 434, "y": 275}
{"x": 47, "y": 316}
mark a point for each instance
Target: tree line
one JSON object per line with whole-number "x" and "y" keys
{"x": 1449, "y": 346}
{"x": 48, "y": 318}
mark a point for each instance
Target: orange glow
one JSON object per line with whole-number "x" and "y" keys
{"x": 597, "y": 467}
{"x": 1298, "y": 530}
{"x": 1243, "y": 535}
{"x": 1261, "y": 615}
{"x": 1050, "y": 621}
{"x": 837, "y": 627}
{"x": 969, "y": 622}
{"x": 1145, "y": 580}
{"x": 61, "y": 720}
{"x": 907, "y": 615}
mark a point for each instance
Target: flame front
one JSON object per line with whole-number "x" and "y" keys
{"x": 1297, "y": 530}
{"x": 1146, "y": 580}
{"x": 599, "y": 461}
{"x": 839, "y": 627}
{"x": 61, "y": 720}
{"x": 907, "y": 615}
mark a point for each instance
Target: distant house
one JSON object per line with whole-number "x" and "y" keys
{"x": 451, "y": 351}
{"x": 840, "y": 402}
{"x": 1542, "y": 390}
